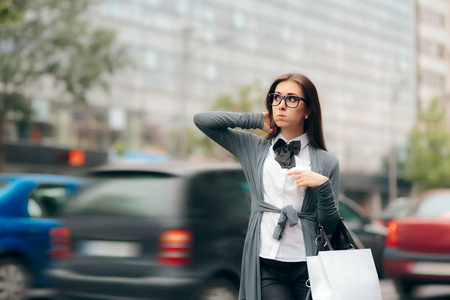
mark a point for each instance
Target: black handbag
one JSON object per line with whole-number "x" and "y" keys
{"x": 341, "y": 239}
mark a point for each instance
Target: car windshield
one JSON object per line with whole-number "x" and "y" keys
{"x": 397, "y": 208}
{"x": 434, "y": 206}
{"x": 149, "y": 195}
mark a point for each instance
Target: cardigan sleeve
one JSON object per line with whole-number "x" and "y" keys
{"x": 327, "y": 199}
{"x": 220, "y": 127}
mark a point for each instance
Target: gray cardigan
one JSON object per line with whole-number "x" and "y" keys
{"x": 320, "y": 203}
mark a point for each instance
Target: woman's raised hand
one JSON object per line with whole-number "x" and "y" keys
{"x": 307, "y": 178}
{"x": 267, "y": 128}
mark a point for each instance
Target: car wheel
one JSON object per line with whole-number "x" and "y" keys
{"x": 13, "y": 280}
{"x": 218, "y": 289}
{"x": 404, "y": 288}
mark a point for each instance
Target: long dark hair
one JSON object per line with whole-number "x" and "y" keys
{"x": 313, "y": 125}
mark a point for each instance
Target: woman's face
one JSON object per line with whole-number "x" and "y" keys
{"x": 287, "y": 118}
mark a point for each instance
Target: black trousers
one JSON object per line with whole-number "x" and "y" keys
{"x": 283, "y": 280}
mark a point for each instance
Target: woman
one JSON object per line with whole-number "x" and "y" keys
{"x": 293, "y": 180}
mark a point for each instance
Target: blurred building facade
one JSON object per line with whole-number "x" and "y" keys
{"x": 433, "y": 51}
{"x": 361, "y": 55}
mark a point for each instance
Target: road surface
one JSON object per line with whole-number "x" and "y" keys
{"x": 436, "y": 292}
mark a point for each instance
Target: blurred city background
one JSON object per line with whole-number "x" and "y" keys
{"x": 85, "y": 83}
{"x": 89, "y": 83}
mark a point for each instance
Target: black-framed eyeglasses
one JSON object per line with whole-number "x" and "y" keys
{"x": 291, "y": 101}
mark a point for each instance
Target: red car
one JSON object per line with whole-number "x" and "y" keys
{"x": 418, "y": 245}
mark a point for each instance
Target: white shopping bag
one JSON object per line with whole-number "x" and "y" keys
{"x": 343, "y": 275}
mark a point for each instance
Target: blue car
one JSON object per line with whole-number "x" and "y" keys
{"x": 30, "y": 234}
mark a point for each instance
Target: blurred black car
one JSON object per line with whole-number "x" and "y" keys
{"x": 159, "y": 231}
{"x": 371, "y": 234}
{"x": 162, "y": 231}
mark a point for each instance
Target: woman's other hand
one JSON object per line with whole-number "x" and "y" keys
{"x": 307, "y": 178}
{"x": 266, "y": 128}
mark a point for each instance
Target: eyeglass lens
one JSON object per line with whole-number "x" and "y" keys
{"x": 290, "y": 100}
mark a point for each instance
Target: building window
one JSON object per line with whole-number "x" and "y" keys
{"x": 434, "y": 80}
{"x": 153, "y": 3}
{"x": 209, "y": 34}
{"x": 117, "y": 10}
{"x": 126, "y": 13}
{"x": 238, "y": 21}
{"x": 182, "y": 6}
{"x": 41, "y": 110}
{"x": 286, "y": 33}
{"x": 208, "y": 15}
{"x": 210, "y": 72}
{"x": 431, "y": 48}
{"x": 117, "y": 119}
{"x": 348, "y": 3}
{"x": 431, "y": 17}
{"x": 150, "y": 59}
{"x": 112, "y": 9}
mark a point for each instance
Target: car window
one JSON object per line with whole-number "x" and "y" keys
{"x": 151, "y": 195}
{"x": 222, "y": 193}
{"x": 350, "y": 216}
{"x": 234, "y": 193}
{"x": 397, "y": 208}
{"x": 434, "y": 206}
{"x": 34, "y": 209}
{"x": 48, "y": 201}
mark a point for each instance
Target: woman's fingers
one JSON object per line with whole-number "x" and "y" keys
{"x": 296, "y": 172}
{"x": 307, "y": 178}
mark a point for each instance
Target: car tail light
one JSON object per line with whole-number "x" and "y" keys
{"x": 392, "y": 237}
{"x": 60, "y": 242}
{"x": 175, "y": 248}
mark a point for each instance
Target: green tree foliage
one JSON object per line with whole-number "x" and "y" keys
{"x": 249, "y": 98}
{"x": 10, "y": 12}
{"x": 428, "y": 163}
{"x": 53, "y": 41}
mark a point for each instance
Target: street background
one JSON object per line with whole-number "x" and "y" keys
{"x": 89, "y": 83}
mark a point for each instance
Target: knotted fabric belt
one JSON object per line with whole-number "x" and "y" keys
{"x": 287, "y": 214}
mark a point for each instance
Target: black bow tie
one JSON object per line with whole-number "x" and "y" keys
{"x": 285, "y": 153}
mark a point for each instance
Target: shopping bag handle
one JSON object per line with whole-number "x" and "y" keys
{"x": 334, "y": 241}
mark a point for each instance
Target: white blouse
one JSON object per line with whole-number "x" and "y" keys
{"x": 281, "y": 190}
